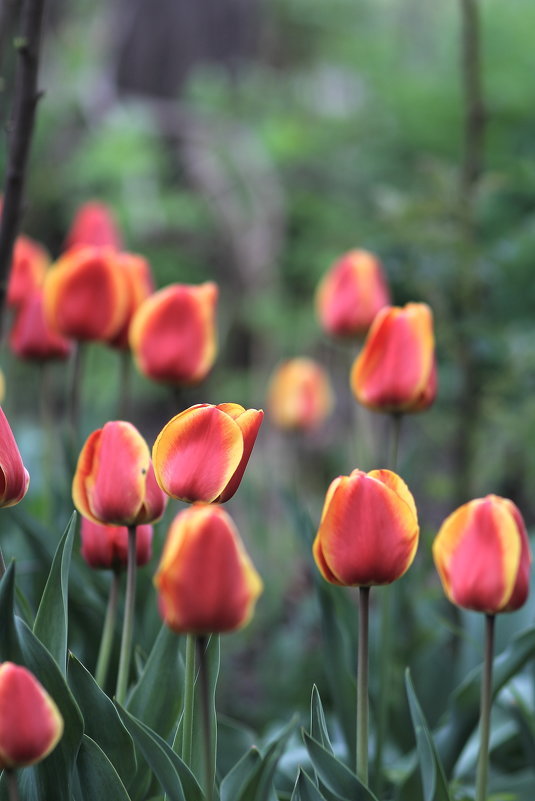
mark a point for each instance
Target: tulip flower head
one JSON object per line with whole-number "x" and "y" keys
{"x": 351, "y": 293}
{"x": 30, "y": 722}
{"x": 369, "y": 530}
{"x": 172, "y": 334}
{"x": 206, "y": 582}
{"x": 114, "y": 481}
{"x": 14, "y": 478}
{"x": 483, "y": 557}
{"x": 32, "y": 338}
{"x": 396, "y": 369}
{"x": 140, "y": 286}
{"x": 300, "y": 395}
{"x": 201, "y": 454}
{"x": 106, "y": 547}
{"x": 93, "y": 224}
{"x": 28, "y": 269}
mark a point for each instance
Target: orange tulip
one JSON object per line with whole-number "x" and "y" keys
{"x": 201, "y": 454}
{"x": 483, "y": 557}
{"x": 396, "y": 369}
{"x": 30, "y": 722}
{"x": 369, "y": 530}
{"x": 14, "y": 478}
{"x": 28, "y": 269}
{"x": 300, "y": 395}
{"x": 86, "y": 296}
{"x": 93, "y": 224}
{"x": 172, "y": 334}
{"x": 107, "y": 546}
{"x": 114, "y": 480}
{"x": 351, "y": 293}
{"x": 206, "y": 582}
{"x": 140, "y": 286}
{"x": 32, "y": 338}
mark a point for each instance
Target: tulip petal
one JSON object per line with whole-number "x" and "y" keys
{"x": 249, "y": 422}
{"x": 14, "y": 478}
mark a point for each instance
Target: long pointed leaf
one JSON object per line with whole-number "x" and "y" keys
{"x": 98, "y": 779}
{"x": 305, "y": 789}
{"x": 335, "y": 775}
{"x": 318, "y": 725}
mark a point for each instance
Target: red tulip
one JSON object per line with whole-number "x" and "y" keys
{"x": 201, "y": 454}
{"x": 114, "y": 481}
{"x": 396, "y": 369}
{"x": 93, "y": 224}
{"x": 140, "y": 286}
{"x": 206, "y": 582}
{"x": 351, "y": 293}
{"x": 28, "y": 269}
{"x": 483, "y": 557}
{"x": 172, "y": 334}
{"x": 369, "y": 530}
{"x": 107, "y": 546}
{"x": 32, "y": 338}
{"x": 300, "y": 395}
{"x": 14, "y": 478}
{"x": 30, "y": 722}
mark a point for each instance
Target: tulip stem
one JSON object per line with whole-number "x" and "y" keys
{"x": 362, "y": 686}
{"x": 189, "y": 700}
{"x": 108, "y": 630}
{"x": 123, "y": 408}
{"x": 209, "y": 765}
{"x": 12, "y": 786}
{"x": 75, "y": 394}
{"x": 394, "y": 442}
{"x": 484, "y": 719}
{"x": 128, "y": 620}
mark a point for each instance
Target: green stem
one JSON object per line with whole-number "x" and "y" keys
{"x": 108, "y": 630}
{"x": 128, "y": 621}
{"x": 362, "y": 686}
{"x": 74, "y": 395}
{"x": 12, "y": 786}
{"x": 484, "y": 720}
{"x": 189, "y": 700}
{"x": 123, "y": 406}
{"x": 394, "y": 440}
{"x": 2, "y": 564}
{"x": 209, "y": 763}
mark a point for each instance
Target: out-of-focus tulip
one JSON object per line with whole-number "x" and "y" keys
{"x": 172, "y": 334}
{"x": 14, "y": 478}
{"x": 140, "y": 285}
{"x": 351, "y": 293}
{"x": 206, "y": 582}
{"x": 86, "y": 296}
{"x": 32, "y": 338}
{"x": 300, "y": 395}
{"x": 114, "y": 480}
{"x": 369, "y": 530}
{"x": 107, "y": 546}
{"x": 396, "y": 369}
{"x": 28, "y": 269}
{"x": 94, "y": 224}
{"x": 483, "y": 557}
{"x": 201, "y": 454}
{"x": 30, "y": 722}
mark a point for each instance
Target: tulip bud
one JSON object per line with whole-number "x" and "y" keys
{"x": 369, "y": 530}
{"x": 206, "y": 582}
{"x": 107, "y": 546}
{"x": 140, "y": 286}
{"x": 396, "y": 369}
{"x": 114, "y": 480}
{"x": 86, "y": 296}
{"x": 93, "y": 224}
{"x": 14, "y": 478}
{"x": 28, "y": 269}
{"x": 172, "y": 334}
{"x": 32, "y": 338}
{"x": 300, "y": 395}
{"x": 351, "y": 293}
{"x": 30, "y": 722}
{"x": 483, "y": 557}
{"x": 201, "y": 454}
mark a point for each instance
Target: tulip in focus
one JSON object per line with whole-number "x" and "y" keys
{"x": 369, "y": 530}
{"x": 201, "y": 454}
{"x": 300, "y": 395}
{"x": 140, "y": 286}
{"x": 32, "y": 338}
{"x": 93, "y": 224}
{"x": 14, "y": 478}
{"x": 206, "y": 582}
{"x": 483, "y": 557}
{"x": 28, "y": 269}
{"x": 30, "y": 722}
{"x": 172, "y": 334}
{"x": 114, "y": 481}
{"x": 396, "y": 369}
{"x": 106, "y": 547}
{"x": 351, "y": 293}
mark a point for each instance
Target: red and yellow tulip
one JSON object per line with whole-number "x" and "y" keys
{"x": 32, "y": 338}
{"x": 93, "y": 224}
{"x": 14, "y": 478}
{"x": 140, "y": 286}
{"x": 106, "y": 547}
{"x": 300, "y": 395}
{"x": 28, "y": 268}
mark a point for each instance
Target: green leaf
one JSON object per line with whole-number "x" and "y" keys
{"x": 51, "y": 622}
{"x": 305, "y": 789}
{"x": 318, "y": 725}
{"x": 233, "y": 740}
{"x": 434, "y": 782}
{"x": 101, "y": 720}
{"x": 335, "y": 775}
{"x": 98, "y": 779}
{"x": 236, "y": 782}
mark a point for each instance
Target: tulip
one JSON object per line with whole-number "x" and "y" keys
{"x": 483, "y": 557}
{"x": 140, "y": 286}
{"x": 172, "y": 334}
{"x": 28, "y": 268}
{"x": 396, "y": 369}
{"x": 368, "y": 532}
{"x": 351, "y": 293}
{"x": 300, "y": 395}
{"x": 107, "y": 546}
{"x": 114, "y": 481}
{"x": 14, "y": 478}
{"x": 30, "y": 722}
{"x": 32, "y": 338}
{"x": 93, "y": 224}
{"x": 206, "y": 582}
{"x": 86, "y": 296}
{"x": 201, "y": 454}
